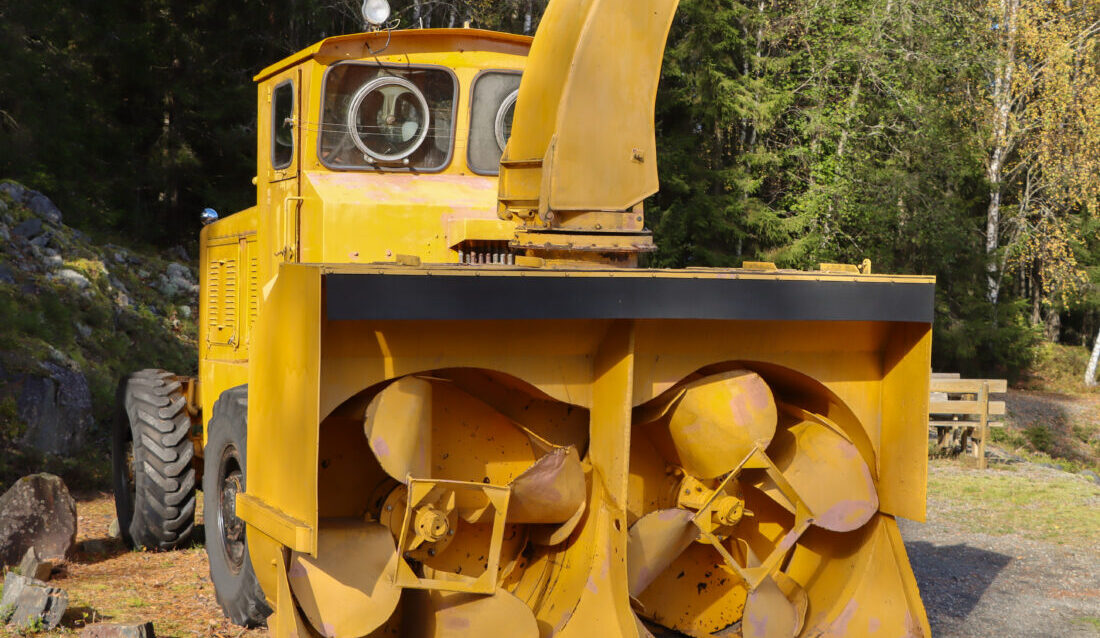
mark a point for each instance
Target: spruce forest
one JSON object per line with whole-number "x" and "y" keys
{"x": 955, "y": 138}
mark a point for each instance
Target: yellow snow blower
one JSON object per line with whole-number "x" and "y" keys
{"x": 437, "y": 397}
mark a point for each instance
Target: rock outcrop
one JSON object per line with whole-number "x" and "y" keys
{"x": 76, "y": 317}
{"x": 56, "y": 408}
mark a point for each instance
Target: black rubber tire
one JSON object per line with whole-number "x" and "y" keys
{"x": 235, "y": 584}
{"x": 152, "y": 455}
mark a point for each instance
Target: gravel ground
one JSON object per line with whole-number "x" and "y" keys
{"x": 978, "y": 585}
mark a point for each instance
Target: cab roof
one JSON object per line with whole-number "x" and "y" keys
{"x": 339, "y": 46}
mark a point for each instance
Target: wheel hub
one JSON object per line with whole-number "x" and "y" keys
{"x": 232, "y": 527}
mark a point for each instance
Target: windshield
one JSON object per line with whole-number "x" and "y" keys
{"x": 494, "y": 104}
{"x": 387, "y": 118}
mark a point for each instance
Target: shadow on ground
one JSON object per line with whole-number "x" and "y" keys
{"x": 953, "y": 579}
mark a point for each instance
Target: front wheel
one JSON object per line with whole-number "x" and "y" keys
{"x": 235, "y": 584}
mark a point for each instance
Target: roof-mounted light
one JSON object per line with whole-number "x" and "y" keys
{"x": 376, "y": 12}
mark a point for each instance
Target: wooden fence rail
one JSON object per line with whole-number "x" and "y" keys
{"x": 957, "y": 403}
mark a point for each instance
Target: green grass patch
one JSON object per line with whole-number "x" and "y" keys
{"x": 1059, "y": 510}
{"x": 1088, "y": 621}
{"x": 1040, "y": 438}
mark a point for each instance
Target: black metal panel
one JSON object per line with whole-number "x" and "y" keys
{"x": 379, "y": 296}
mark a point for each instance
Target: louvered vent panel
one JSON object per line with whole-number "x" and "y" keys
{"x": 213, "y": 288}
{"x": 223, "y": 300}
{"x": 253, "y": 291}
{"x": 229, "y": 298}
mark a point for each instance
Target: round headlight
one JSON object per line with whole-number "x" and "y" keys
{"x": 388, "y": 118}
{"x": 505, "y": 113}
{"x": 375, "y": 12}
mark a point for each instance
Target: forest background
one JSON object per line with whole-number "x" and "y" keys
{"x": 955, "y": 138}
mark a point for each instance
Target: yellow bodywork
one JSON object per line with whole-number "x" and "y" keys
{"x": 436, "y": 450}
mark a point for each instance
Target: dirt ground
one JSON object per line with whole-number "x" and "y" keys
{"x": 171, "y": 589}
{"x": 973, "y": 584}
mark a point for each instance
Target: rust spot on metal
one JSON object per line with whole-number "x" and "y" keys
{"x": 297, "y": 570}
{"x": 847, "y": 515}
{"x": 759, "y": 624}
{"x": 840, "y": 625}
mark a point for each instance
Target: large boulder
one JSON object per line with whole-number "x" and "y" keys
{"x": 28, "y": 228}
{"x": 73, "y": 278}
{"x": 14, "y": 190}
{"x": 177, "y": 279}
{"x": 43, "y": 207}
{"x": 37, "y": 512}
{"x": 31, "y": 605}
{"x": 56, "y": 408}
{"x": 34, "y": 567}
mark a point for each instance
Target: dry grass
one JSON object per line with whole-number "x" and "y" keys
{"x": 1060, "y": 369}
{"x": 1029, "y": 501}
{"x": 1048, "y": 427}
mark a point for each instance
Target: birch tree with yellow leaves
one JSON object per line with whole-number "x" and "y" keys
{"x": 1043, "y": 166}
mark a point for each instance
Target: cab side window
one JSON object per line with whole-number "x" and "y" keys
{"x": 282, "y": 126}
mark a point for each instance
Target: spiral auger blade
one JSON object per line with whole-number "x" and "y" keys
{"x": 826, "y": 471}
{"x": 348, "y": 589}
{"x": 677, "y": 540}
{"x": 655, "y": 541}
{"x": 769, "y": 613}
{"x": 398, "y": 426}
{"x": 445, "y": 614}
{"x": 521, "y": 488}
{"x": 719, "y": 426}
{"x": 718, "y": 420}
{"x": 551, "y": 491}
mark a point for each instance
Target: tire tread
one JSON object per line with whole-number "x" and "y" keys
{"x": 164, "y": 507}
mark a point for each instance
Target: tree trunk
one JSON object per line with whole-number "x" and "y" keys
{"x": 529, "y": 17}
{"x": 1001, "y": 144}
{"x": 1036, "y": 296}
{"x": 1053, "y": 325}
{"x": 1090, "y": 372}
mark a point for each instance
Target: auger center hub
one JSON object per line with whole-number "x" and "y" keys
{"x": 728, "y": 510}
{"x": 431, "y": 524}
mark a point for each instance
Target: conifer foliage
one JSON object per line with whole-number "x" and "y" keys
{"x": 958, "y": 139}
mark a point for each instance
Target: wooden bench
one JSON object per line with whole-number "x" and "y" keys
{"x": 963, "y": 406}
